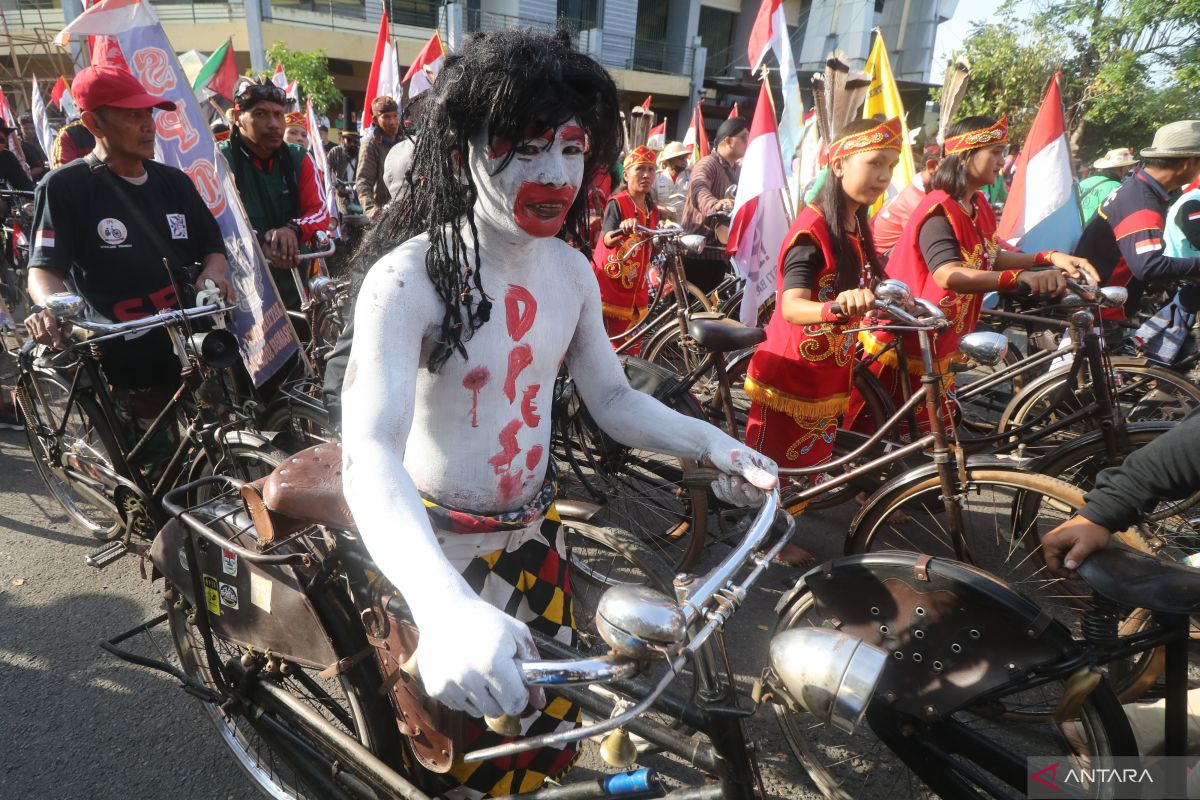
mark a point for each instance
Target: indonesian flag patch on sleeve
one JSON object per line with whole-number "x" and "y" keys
{"x": 1148, "y": 246}
{"x": 1195, "y": 215}
{"x": 44, "y": 238}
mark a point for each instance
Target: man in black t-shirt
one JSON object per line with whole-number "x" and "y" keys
{"x": 35, "y": 156}
{"x": 104, "y": 222}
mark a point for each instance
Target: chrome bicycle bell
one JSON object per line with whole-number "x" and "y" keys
{"x": 985, "y": 347}
{"x": 832, "y": 674}
{"x": 1113, "y": 296}
{"x": 65, "y": 304}
{"x": 893, "y": 292}
{"x": 639, "y": 622}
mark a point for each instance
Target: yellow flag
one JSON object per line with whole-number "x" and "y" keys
{"x": 884, "y": 98}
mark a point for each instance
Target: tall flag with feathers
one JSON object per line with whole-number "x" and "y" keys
{"x": 696, "y": 138}
{"x": 426, "y": 66}
{"x": 770, "y": 33}
{"x": 884, "y": 98}
{"x": 60, "y": 95}
{"x": 45, "y": 133}
{"x": 384, "y": 80}
{"x": 759, "y": 222}
{"x": 1042, "y": 211}
{"x": 265, "y": 336}
{"x": 219, "y": 73}
{"x": 316, "y": 149}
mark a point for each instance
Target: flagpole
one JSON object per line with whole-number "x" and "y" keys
{"x": 782, "y": 167}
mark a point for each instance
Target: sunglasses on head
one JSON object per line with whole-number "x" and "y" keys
{"x": 261, "y": 91}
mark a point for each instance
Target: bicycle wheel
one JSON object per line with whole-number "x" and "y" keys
{"x": 300, "y": 425}
{"x": 70, "y": 462}
{"x": 1145, "y": 393}
{"x": 639, "y": 491}
{"x": 854, "y": 765}
{"x": 601, "y": 558}
{"x": 350, "y": 701}
{"x": 980, "y": 413}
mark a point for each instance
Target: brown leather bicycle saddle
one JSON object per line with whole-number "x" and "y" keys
{"x": 304, "y": 490}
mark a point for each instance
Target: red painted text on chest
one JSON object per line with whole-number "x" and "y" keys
{"x": 520, "y": 311}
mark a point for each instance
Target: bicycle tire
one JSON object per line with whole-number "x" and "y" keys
{"x": 1021, "y": 499}
{"x": 1133, "y": 374}
{"x": 638, "y": 491}
{"x": 300, "y": 425}
{"x": 863, "y": 754}
{"x": 372, "y": 722}
{"x": 34, "y": 388}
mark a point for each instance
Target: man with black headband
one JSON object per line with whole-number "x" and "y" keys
{"x": 470, "y": 306}
{"x": 277, "y": 181}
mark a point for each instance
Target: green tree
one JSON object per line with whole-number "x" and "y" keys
{"x": 310, "y": 68}
{"x": 1128, "y": 66}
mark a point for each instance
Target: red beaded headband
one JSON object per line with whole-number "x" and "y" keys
{"x": 640, "y": 155}
{"x": 973, "y": 140}
{"x": 884, "y": 136}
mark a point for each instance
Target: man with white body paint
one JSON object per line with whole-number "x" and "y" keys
{"x": 459, "y": 333}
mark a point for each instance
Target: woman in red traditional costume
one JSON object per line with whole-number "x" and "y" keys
{"x": 949, "y": 255}
{"x": 799, "y": 379}
{"x": 622, "y": 258}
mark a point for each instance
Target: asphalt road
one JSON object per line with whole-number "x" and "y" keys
{"x": 78, "y": 724}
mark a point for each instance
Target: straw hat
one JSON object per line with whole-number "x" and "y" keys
{"x": 1121, "y": 157}
{"x": 1175, "y": 140}
{"x": 672, "y": 150}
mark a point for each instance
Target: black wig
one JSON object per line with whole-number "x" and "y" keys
{"x": 502, "y": 84}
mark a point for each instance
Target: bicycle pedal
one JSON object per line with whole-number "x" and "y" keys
{"x": 106, "y": 554}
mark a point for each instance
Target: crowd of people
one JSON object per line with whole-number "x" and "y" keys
{"x": 469, "y": 200}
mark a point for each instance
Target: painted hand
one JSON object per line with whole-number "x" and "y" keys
{"x": 746, "y": 475}
{"x": 468, "y": 659}
{"x": 214, "y": 278}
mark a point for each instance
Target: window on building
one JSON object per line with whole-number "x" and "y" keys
{"x": 581, "y": 14}
{"x": 716, "y": 34}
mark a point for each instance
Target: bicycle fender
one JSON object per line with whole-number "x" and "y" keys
{"x": 900, "y": 483}
{"x": 246, "y": 438}
{"x": 953, "y": 632}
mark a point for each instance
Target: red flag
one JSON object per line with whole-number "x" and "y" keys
{"x": 657, "y": 138}
{"x": 106, "y": 51}
{"x": 425, "y": 66}
{"x": 696, "y": 136}
{"x": 646, "y": 102}
{"x": 762, "y": 32}
{"x": 56, "y": 93}
{"x": 382, "y": 45}
{"x": 733, "y": 112}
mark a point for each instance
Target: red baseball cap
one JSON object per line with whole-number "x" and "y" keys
{"x": 105, "y": 85}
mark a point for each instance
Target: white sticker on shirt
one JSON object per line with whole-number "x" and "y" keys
{"x": 178, "y": 224}
{"x": 112, "y": 231}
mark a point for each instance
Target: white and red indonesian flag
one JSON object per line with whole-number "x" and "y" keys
{"x": 384, "y": 80}
{"x": 1042, "y": 211}
{"x": 293, "y": 93}
{"x": 279, "y": 78}
{"x": 770, "y": 27}
{"x": 696, "y": 138}
{"x": 106, "y": 18}
{"x": 657, "y": 138}
{"x": 760, "y": 220}
{"x": 425, "y": 66}
{"x": 733, "y": 112}
{"x": 316, "y": 150}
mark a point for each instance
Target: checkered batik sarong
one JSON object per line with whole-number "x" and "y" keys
{"x": 529, "y": 580}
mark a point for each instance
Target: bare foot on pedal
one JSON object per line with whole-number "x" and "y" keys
{"x": 793, "y": 555}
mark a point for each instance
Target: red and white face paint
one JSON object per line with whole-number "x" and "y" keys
{"x": 530, "y": 196}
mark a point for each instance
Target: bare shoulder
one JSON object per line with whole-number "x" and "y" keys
{"x": 398, "y": 285}
{"x": 574, "y": 267}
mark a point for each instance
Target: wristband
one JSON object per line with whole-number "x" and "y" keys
{"x": 827, "y": 314}
{"x": 1008, "y": 279}
{"x": 1044, "y": 258}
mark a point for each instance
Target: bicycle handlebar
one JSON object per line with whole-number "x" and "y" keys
{"x": 330, "y": 245}
{"x": 934, "y": 320}
{"x": 66, "y": 311}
